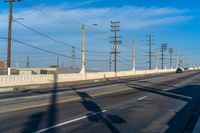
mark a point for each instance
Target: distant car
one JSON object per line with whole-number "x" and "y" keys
{"x": 179, "y": 70}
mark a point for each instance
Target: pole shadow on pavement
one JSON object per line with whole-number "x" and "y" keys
{"x": 48, "y": 117}
{"x": 108, "y": 119}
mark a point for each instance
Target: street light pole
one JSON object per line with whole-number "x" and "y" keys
{"x": 83, "y": 50}
{"x": 133, "y": 56}
{"x": 84, "y": 28}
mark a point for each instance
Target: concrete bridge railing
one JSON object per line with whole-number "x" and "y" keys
{"x": 21, "y": 80}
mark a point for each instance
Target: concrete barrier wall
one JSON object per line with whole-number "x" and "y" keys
{"x": 18, "y": 80}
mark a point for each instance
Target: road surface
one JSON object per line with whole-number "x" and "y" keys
{"x": 149, "y": 104}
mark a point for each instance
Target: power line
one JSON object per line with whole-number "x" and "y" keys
{"x": 48, "y": 51}
{"x": 55, "y": 40}
{"x": 55, "y": 21}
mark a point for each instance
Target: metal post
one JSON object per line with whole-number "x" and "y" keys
{"x": 156, "y": 59}
{"x": 83, "y": 50}
{"x": 17, "y": 62}
{"x": 177, "y": 65}
{"x": 115, "y": 28}
{"x": 57, "y": 61}
{"x": 27, "y": 62}
{"x": 150, "y": 50}
{"x": 171, "y": 57}
{"x": 133, "y": 57}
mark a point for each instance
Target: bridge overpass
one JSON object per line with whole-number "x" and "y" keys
{"x": 164, "y": 102}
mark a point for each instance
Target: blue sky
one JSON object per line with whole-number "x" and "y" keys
{"x": 175, "y": 22}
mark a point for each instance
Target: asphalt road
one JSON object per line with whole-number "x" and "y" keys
{"x": 151, "y": 104}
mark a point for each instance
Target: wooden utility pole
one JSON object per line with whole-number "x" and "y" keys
{"x": 115, "y": 28}
{"x": 10, "y": 34}
{"x": 9, "y": 38}
{"x": 110, "y": 62}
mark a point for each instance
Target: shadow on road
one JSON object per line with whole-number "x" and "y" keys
{"x": 184, "y": 119}
{"x": 50, "y": 116}
{"x": 96, "y": 113}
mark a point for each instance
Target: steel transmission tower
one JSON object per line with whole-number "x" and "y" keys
{"x": 163, "y": 55}
{"x": 115, "y": 28}
{"x": 73, "y": 60}
{"x": 171, "y": 57}
{"x": 150, "y": 53}
{"x": 57, "y": 60}
{"x": 27, "y": 62}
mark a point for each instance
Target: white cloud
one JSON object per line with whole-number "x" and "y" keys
{"x": 64, "y": 24}
{"x": 140, "y": 17}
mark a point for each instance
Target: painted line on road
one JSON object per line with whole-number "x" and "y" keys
{"x": 141, "y": 98}
{"x": 77, "y": 99}
{"x": 59, "y": 93}
{"x": 46, "y": 95}
{"x": 68, "y": 122}
{"x": 62, "y": 101}
{"x": 167, "y": 89}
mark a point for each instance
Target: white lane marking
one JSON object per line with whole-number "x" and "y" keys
{"x": 142, "y": 97}
{"x": 70, "y": 121}
{"x": 167, "y": 89}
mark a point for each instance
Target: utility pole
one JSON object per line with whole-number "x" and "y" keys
{"x": 84, "y": 28}
{"x": 62, "y": 64}
{"x": 186, "y": 61}
{"x": 73, "y": 60}
{"x": 163, "y": 55}
{"x": 57, "y": 61}
{"x": 27, "y": 62}
{"x": 150, "y": 53}
{"x": 17, "y": 62}
{"x": 83, "y": 50}
{"x": 115, "y": 28}
{"x": 181, "y": 61}
{"x": 177, "y": 64}
{"x": 110, "y": 62}
{"x": 9, "y": 34}
{"x": 133, "y": 56}
{"x": 156, "y": 59}
{"x": 171, "y": 57}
